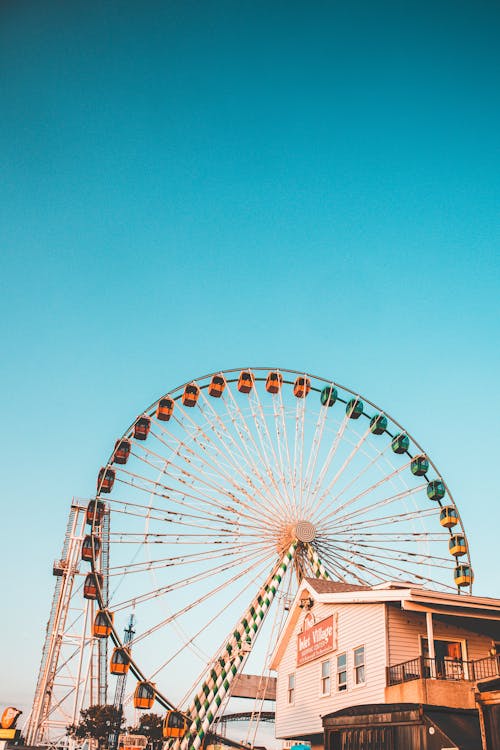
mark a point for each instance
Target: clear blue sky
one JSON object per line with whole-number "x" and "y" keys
{"x": 189, "y": 186}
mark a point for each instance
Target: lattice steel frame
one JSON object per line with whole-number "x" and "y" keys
{"x": 73, "y": 669}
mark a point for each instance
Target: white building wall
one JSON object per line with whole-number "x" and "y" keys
{"x": 357, "y": 625}
{"x": 406, "y": 628}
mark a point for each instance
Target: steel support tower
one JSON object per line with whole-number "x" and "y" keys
{"x": 73, "y": 668}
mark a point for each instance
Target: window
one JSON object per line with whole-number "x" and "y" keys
{"x": 291, "y": 688}
{"x": 325, "y": 678}
{"x": 359, "y": 665}
{"x": 342, "y": 672}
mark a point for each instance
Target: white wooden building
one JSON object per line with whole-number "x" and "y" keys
{"x": 346, "y": 645}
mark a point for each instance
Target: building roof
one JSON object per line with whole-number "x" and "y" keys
{"x": 323, "y": 586}
{"x": 484, "y": 611}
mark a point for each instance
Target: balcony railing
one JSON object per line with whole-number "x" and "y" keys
{"x": 424, "y": 667}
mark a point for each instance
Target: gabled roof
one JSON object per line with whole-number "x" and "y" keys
{"x": 322, "y": 586}
{"x": 480, "y": 608}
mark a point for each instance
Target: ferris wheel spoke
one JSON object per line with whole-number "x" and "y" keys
{"x": 298, "y": 454}
{"x": 397, "y": 518}
{"x": 193, "y": 558}
{"x": 273, "y": 466}
{"x": 252, "y": 507}
{"x": 256, "y": 568}
{"x": 150, "y": 487}
{"x": 370, "y": 464}
{"x": 405, "y": 493}
{"x": 252, "y": 583}
{"x": 179, "y": 518}
{"x": 314, "y": 452}
{"x": 349, "y": 568}
{"x": 396, "y": 554}
{"x": 222, "y": 457}
{"x": 315, "y": 498}
{"x": 283, "y": 447}
{"x": 248, "y": 443}
{"x": 223, "y": 435}
{"x": 383, "y": 564}
{"x": 357, "y": 448}
{"x": 189, "y": 580}
{"x": 236, "y": 445}
{"x": 208, "y": 471}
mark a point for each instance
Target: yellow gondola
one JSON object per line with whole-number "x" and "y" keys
{"x": 103, "y": 623}
{"x": 448, "y": 517}
{"x": 144, "y": 695}
{"x": 464, "y": 575}
{"x": 457, "y": 545}
{"x": 175, "y": 724}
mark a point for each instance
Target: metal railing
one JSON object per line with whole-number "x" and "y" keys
{"x": 423, "y": 667}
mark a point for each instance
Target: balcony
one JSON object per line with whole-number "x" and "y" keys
{"x": 448, "y": 682}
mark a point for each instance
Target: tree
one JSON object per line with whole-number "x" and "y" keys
{"x": 150, "y": 725}
{"x": 96, "y": 722}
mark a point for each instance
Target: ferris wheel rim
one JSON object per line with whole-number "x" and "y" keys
{"x": 203, "y": 382}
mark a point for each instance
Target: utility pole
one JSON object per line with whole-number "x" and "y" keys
{"x": 120, "y": 690}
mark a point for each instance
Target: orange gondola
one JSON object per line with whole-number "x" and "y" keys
{"x": 122, "y": 451}
{"x": 245, "y": 381}
{"x": 95, "y": 512}
{"x": 92, "y": 580}
{"x": 144, "y": 695}
{"x": 91, "y": 547}
{"x": 273, "y": 382}
{"x": 105, "y": 480}
{"x": 120, "y": 660}
{"x": 142, "y": 427}
{"x": 301, "y": 387}
{"x": 217, "y": 385}
{"x": 165, "y": 409}
{"x": 175, "y": 724}
{"x": 103, "y": 623}
{"x": 190, "y": 395}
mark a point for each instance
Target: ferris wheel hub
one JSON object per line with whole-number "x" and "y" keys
{"x": 305, "y": 531}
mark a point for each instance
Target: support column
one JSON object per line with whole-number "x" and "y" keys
{"x": 430, "y": 643}
{"x": 228, "y": 662}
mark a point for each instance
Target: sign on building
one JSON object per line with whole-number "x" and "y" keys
{"x": 316, "y": 639}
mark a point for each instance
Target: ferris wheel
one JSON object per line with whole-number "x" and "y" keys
{"x": 226, "y": 492}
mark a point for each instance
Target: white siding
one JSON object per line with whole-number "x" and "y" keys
{"x": 405, "y": 629}
{"x": 358, "y": 625}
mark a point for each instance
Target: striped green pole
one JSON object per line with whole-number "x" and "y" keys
{"x": 319, "y": 569}
{"x": 218, "y": 681}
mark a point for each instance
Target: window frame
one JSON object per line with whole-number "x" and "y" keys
{"x": 356, "y": 667}
{"x": 325, "y": 678}
{"x": 290, "y": 692}
{"x": 341, "y": 687}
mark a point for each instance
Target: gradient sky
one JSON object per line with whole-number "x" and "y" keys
{"x": 192, "y": 186}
